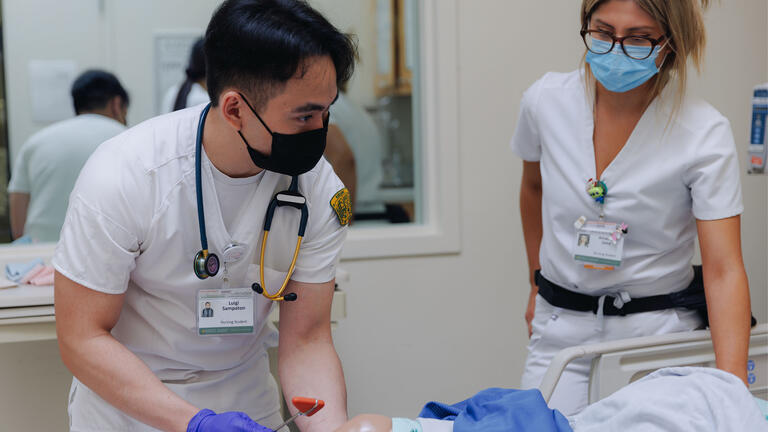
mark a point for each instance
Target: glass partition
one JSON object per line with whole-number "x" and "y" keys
{"x": 145, "y": 43}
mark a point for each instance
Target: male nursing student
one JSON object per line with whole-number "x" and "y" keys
{"x": 621, "y": 171}
{"x": 49, "y": 162}
{"x": 128, "y": 287}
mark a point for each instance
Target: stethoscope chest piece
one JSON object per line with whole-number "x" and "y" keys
{"x": 206, "y": 265}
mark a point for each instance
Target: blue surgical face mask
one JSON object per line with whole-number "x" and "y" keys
{"x": 618, "y": 72}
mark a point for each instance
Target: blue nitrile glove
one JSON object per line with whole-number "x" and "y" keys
{"x": 232, "y": 421}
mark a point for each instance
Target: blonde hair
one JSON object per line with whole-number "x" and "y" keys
{"x": 683, "y": 24}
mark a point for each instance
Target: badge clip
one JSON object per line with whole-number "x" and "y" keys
{"x": 621, "y": 229}
{"x": 597, "y": 190}
{"x": 580, "y": 222}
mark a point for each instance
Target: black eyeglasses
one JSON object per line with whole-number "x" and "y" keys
{"x": 636, "y": 47}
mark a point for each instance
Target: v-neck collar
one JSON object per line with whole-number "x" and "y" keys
{"x": 638, "y": 132}
{"x": 245, "y": 231}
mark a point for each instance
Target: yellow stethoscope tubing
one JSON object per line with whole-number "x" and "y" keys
{"x": 278, "y": 296}
{"x": 290, "y": 198}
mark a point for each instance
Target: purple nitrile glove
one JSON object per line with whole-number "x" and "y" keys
{"x": 232, "y": 421}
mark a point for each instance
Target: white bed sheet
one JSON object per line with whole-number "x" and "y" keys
{"x": 676, "y": 399}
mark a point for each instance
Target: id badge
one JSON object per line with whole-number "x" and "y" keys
{"x": 224, "y": 311}
{"x": 599, "y": 245}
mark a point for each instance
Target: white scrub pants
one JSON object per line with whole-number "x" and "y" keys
{"x": 556, "y": 328}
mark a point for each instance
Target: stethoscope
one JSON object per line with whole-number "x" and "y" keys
{"x": 207, "y": 264}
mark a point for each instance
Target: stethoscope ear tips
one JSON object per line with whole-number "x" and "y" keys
{"x": 288, "y": 297}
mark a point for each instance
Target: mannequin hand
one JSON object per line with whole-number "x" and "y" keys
{"x": 530, "y": 310}
{"x": 208, "y": 421}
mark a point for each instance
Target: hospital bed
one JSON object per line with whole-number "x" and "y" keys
{"x": 616, "y": 364}
{"x": 659, "y": 404}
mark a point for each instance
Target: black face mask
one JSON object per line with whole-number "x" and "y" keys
{"x": 291, "y": 154}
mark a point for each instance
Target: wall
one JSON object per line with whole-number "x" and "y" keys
{"x": 112, "y": 35}
{"x": 131, "y": 29}
{"x": 53, "y": 35}
{"x": 443, "y": 327}
{"x": 356, "y": 17}
{"x": 734, "y": 65}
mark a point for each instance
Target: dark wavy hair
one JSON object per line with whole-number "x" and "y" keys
{"x": 256, "y": 46}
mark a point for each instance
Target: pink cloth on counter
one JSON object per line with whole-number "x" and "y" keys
{"x": 39, "y": 275}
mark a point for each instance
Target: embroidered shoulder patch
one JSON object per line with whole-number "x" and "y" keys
{"x": 342, "y": 205}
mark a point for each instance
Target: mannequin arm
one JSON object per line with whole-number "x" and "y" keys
{"x": 367, "y": 423}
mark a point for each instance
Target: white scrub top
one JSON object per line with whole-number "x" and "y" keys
{"x": 197, "y": 95}
{"x": 48, "y": 165}
{"x": 132, "y": 228}
{"x": 367, "y": 143}
{"x": 672, "y": 171}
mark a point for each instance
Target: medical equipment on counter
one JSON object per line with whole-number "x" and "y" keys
{"x": 758, "y": 149}
{"x": 618, "y": 363}
{"x": 306, "y": 406}
{"x": 207, "y": 264}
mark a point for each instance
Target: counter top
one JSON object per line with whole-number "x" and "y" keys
{"x": 27, "y": 304}
{"x": 26, "y": 295}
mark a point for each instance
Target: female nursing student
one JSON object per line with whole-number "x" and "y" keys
{"x": 193, "y": 90}
{"x": 621, "y": 171}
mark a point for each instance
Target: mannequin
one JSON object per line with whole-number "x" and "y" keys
{"x": 367, "y": 423}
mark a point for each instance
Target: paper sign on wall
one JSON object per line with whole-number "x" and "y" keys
{"x": 171, "y": 57}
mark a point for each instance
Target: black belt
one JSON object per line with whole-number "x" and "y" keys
{"x": 689, "y": 298}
